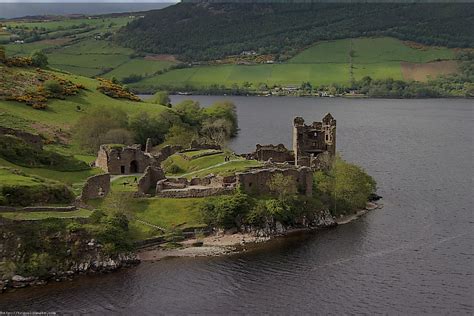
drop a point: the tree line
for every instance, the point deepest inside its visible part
(180, 125)
(209, 31)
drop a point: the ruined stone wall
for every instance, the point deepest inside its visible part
(123, 160)
(195, 145)
(277, 153)
(148, 181)
(312, 140)
(166, 152)
(35, 141)
(96, 187)
(191, 192)
(257, 181)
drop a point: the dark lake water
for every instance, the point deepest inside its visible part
(414, 256)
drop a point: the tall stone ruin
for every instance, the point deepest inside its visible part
(311, 142)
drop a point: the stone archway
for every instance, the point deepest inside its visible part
(133, 166)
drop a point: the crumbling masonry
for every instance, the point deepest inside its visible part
(310, 141)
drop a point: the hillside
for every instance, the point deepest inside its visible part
(79, 45)
(325, 63)
(204, 30)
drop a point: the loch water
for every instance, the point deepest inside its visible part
(413, 256)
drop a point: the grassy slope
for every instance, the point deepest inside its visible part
(63, 113)
(84, 55)
(138, 66)
(203, 166)
(323, 63)
(31, 216)
(174, 213)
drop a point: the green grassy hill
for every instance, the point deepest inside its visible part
(324, 63)
(81, 46)
(210, 30)
(55, 123)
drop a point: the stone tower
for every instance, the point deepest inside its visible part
(311, 141)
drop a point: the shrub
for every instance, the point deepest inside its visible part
(174, 169)
(39, 59)
(115, 90)
(344, 188)
(53, 87)
(226, 211)
(161, 97)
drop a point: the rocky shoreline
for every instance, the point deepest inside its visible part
(90, 265)
(231, 242)
(218, 244)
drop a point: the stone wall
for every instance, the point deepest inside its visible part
(38, 209)
(148, 181)
(194, 192)
(166, 152)
(123, 159)
(277, 153)
(35, 141)
(256, 181)
(314, 139)
(96, 187)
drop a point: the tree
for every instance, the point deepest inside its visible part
(190, 112)
(91, 128)
(216, 132)
(39, 59)
(344, 188)
(181, 135)
(118, 136)
(224, 110)
(161, 97)
(144, 126)
(282, 186)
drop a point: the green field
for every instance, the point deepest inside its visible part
(141, 67)
(201, 166)
(64, 113)
(324, 63)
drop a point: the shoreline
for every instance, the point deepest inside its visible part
(146, 96)
(222, 244)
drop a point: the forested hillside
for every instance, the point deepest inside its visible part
(205, 31)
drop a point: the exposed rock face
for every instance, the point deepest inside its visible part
(148, 181)
(272, 227)
(73, 253)
(96, 187)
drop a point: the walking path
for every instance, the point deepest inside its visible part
(151, 225)
(208, 168)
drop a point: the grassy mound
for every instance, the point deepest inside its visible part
(17, 151)
(18, 188)
(201, 163)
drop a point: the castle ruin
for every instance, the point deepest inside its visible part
(311, 141)
(121, 159)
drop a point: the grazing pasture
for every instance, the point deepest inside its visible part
(324, 63)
